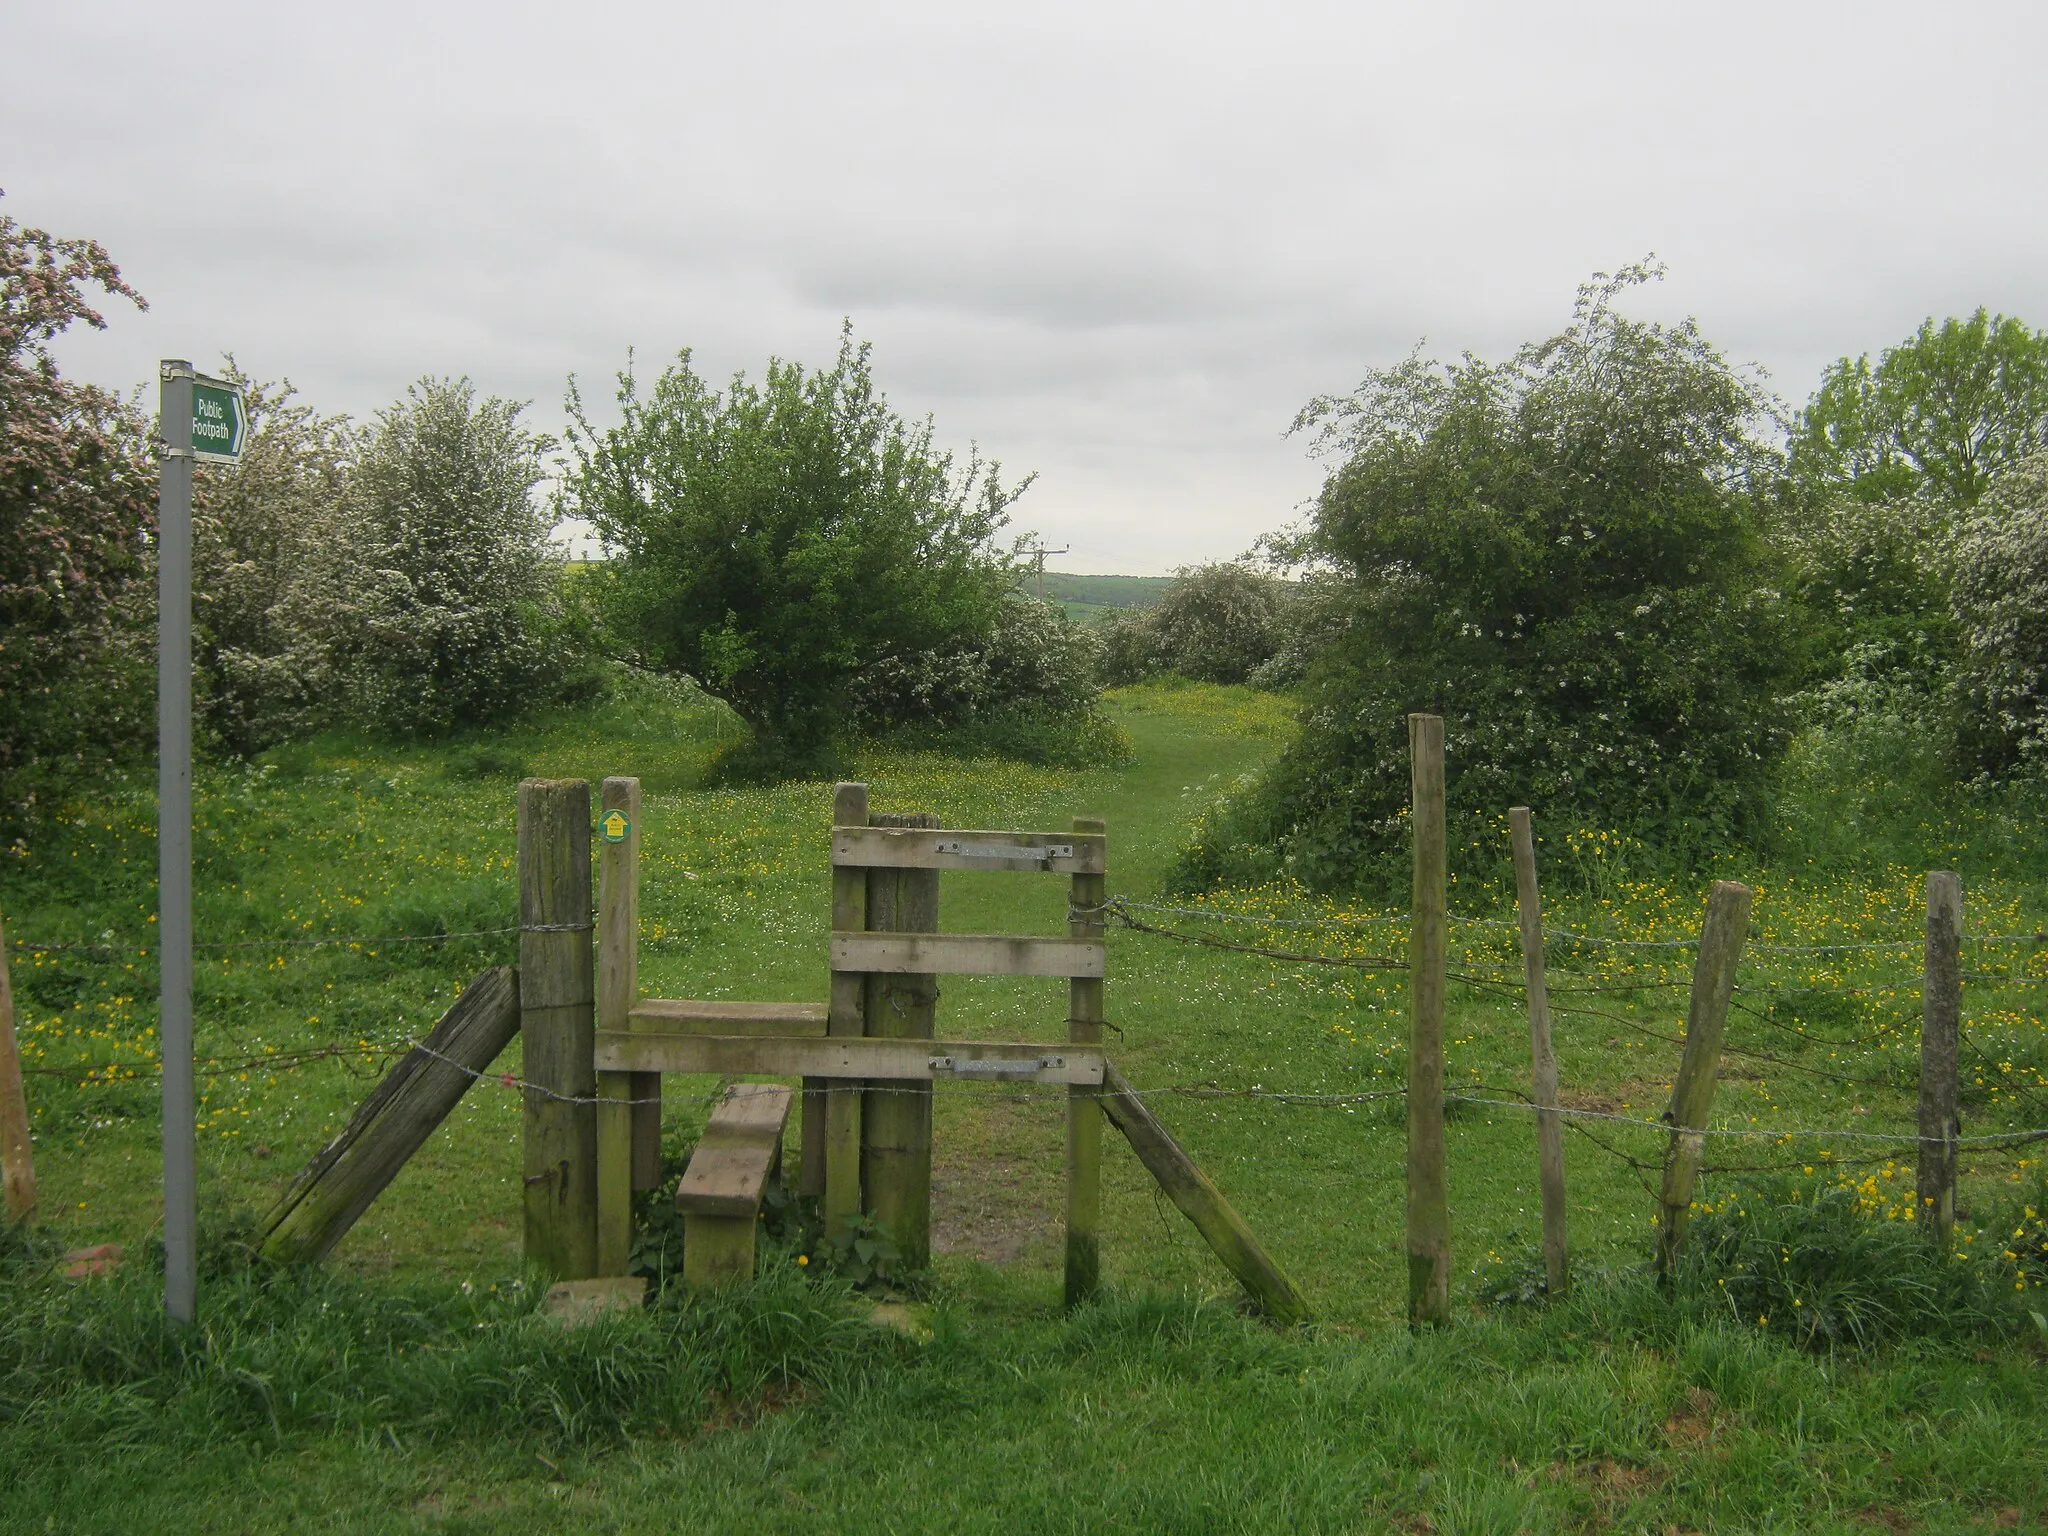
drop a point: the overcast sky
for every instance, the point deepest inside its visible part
(1119, 244)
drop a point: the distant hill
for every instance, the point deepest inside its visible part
(1088, 597)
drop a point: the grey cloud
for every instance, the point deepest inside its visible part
(1119, 242)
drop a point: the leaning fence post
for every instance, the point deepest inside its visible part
(1085, 1015)
(896, 1117)
(557, 1001)
(1692, 1094)
(629, 1119)
(836, 1171)
(16, 1148)
(1940, 1036)
(1429, 1216)
(1542, 1058)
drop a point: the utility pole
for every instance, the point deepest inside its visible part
(1040, 552)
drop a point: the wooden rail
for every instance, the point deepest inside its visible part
(1066, 853)
(966, 954)
(849, 1056)
(720, 1017)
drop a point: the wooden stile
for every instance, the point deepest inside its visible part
(834, 1173)
(1428, 1206)
(629, 1119)
(17, 1154)
(393, 1123)
(1542, 1057)
(557, 996)
(1085, 1017)
(964, 954)
(1941, 1024)
(901, 1003)
(1201, 1202)
(1692, 1094)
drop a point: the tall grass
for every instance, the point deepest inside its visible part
(282, 1354)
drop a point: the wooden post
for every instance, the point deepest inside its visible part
(834, 1168)
(1084, 1104)
(896, 1117)
(628, 1124)
(393, 1123)
(557, 1006)
(17, 1154)
(1429, 1214)
(1201, 1202)
(1542, 1059)
(1941, 1022)
(1699, 1067)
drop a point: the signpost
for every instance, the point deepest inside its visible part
(207, 420)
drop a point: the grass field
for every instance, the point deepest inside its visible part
(410, 1390)
(1093, 597)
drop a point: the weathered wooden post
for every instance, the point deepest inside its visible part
(629, 1119)
(1084, 1103)
(1429, 1216)
(1692, 1094)
(1941, 1022)
(337, 1186)
(1542, 1058)
(17, 1155)
(557, 1005)
(896, 1118)
(836, 1172)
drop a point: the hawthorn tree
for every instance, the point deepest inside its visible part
(1563, 555)
(77, 512)
(451, 588)
(772, 540)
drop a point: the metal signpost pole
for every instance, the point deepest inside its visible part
(174, 839)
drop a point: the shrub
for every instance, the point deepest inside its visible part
(451, 581)
(2001, 597)
(269, 583)
(1219, 623)
(774, 541)
(1562, 555)
(77, 510)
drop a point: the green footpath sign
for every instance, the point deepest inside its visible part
(220, 421)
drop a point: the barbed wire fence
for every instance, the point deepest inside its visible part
(1579, 973)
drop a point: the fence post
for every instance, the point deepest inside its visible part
(17, 1154)
(1429, 1216)
(896, 1118)
(1941, 1022)
(1084, 1104)
(1542, 1058)
(557, 1003)
(837, 1171)
(1692, 1095)
(629, 1121)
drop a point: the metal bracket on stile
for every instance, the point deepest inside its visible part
(996, 1068)
(1009, 851)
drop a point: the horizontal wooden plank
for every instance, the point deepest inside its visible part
(1066, 853)
(844, 1057)
(721, 1017)
(725, 1180)
(966, 954)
